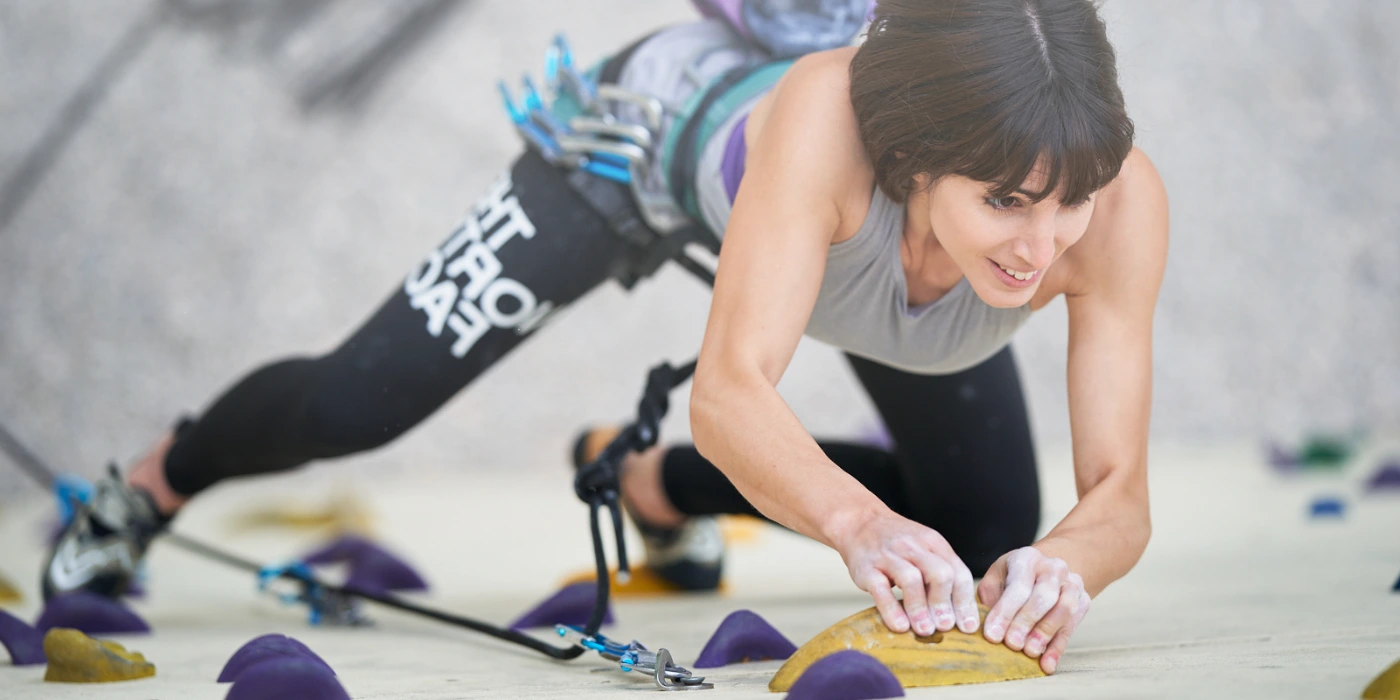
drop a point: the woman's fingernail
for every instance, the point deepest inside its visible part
(1015, 638)
(994, 632)
(1051, 662)
(946, 619)
(969, 625)
(1035, 645)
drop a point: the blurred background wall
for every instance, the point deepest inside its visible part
(192, 187)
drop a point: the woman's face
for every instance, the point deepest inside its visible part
(1003, 245)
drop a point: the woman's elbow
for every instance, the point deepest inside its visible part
(705, 408)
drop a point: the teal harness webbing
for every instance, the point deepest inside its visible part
(702, 116)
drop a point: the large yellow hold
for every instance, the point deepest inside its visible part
(76, 658)
(344, 513)
(1386, 686)
(943, 658)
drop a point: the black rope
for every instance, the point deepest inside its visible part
(598, 482)
(385, 599)
(26, 460)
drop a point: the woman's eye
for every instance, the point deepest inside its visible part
(1001, 203)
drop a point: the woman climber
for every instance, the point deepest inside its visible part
(911, 201)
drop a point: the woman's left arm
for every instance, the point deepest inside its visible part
(1040, 593)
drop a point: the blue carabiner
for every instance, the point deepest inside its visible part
(551, 68)
(564, 63)
(566, 54)
(532, 96)
(295, 569)
(536, 110)
(301, 572)
(70, 491)
(516, 115)
(628, 661)
(531, 132)
(610, 159)
(604, 170)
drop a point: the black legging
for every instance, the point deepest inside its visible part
(963, 463)
(530, 246)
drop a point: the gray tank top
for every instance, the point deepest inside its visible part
(862, 307)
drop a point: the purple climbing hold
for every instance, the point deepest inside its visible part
(742, 637)
(289, 678)
(90, 614)
(345, 548)
(25, 644)
(1386, 478)
(1282, 459)
(372, 569)
(572, 605)
(379, 572)
(846, 675)
(260, 649)
(1327, 507)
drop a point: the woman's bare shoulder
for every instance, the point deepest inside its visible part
(818, 87)
(810, 110)
(1126, 242)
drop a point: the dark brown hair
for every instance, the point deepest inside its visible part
(986, 89)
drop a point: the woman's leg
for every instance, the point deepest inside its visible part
(963, 464)
(685, 483)
(964, 451)
(529, 247)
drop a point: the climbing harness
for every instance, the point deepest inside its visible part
(575, 127)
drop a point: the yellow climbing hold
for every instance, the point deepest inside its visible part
(944, 658)
(741, 529)
(644, 582)
(344, 512)
(8, 593)
(1386, 686)
(77, 658)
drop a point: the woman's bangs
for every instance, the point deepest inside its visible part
(1074, 153)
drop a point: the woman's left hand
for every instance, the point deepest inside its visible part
(1036, 604)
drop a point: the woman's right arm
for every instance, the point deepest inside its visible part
(802, 166)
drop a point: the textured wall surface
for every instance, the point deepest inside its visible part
(192, 191)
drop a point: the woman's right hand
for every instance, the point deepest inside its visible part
(889, 550)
